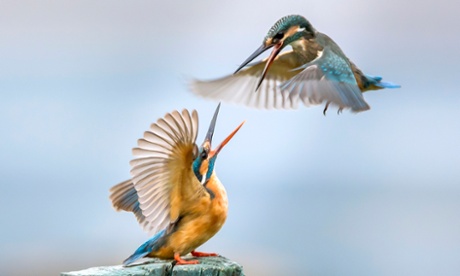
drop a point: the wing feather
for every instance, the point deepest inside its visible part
(156, 139)
(328, 78)
(162, 159)
(241, 87)
(124, 197)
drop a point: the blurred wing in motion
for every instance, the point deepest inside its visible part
(328, 78)
(241, 87)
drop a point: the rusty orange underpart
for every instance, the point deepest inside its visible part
(180, 261)
(202, 254)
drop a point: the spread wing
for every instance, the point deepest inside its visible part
(241, 87)
(328, 78)
(163, 166)
(124, 197)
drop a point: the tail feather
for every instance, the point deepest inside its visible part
(377, 81)
(386, 84)
(136, 256)
(149, 246)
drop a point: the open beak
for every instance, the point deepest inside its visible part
(208, 140)
(211, 132)
(271, 58)
(257, 53)
(226, 140)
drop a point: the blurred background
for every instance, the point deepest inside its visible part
(374, 193)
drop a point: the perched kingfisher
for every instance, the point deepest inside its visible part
(174, 191)
(314, 71)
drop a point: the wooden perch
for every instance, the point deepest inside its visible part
(209, 266)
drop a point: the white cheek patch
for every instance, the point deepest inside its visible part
(299, 30)
(319, 54)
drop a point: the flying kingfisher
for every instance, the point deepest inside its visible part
(314, 71)
(174, 191)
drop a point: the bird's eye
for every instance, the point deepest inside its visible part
(204, 155)
(278, 36)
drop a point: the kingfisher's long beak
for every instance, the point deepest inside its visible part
(212, 125)
(271, 58)
(211, 132)
(226, 140)
(208, 140)
(259, 51)
(276, 50)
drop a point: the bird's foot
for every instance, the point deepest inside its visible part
(325, 108)
(339, 111)
(180, 261)
(202, 254)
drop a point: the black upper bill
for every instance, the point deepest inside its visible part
(212, 125)
(257, 52)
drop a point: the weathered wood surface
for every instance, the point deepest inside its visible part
(209, 266)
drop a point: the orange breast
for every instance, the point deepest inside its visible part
(199, 222)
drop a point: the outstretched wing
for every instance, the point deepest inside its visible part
(328, 78)
(241, 87)
(124, 197)
(162, 165)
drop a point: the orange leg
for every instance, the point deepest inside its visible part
(201, 254)
(180, 261)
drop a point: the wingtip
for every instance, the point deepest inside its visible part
(360, 108)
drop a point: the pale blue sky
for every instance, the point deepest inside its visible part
(375, 193)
